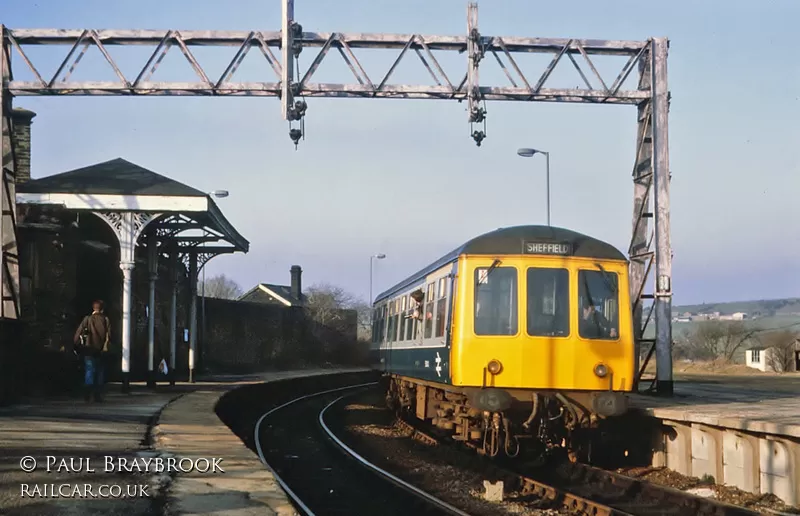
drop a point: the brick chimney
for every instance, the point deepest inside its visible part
(296, 287)
(21, 119)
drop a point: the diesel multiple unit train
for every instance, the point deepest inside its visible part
(523, 333)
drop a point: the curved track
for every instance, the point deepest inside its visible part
(321, 474)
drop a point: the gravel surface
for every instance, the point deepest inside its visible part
(371, 431)
(756, 502)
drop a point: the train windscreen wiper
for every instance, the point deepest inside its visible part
(492, 267)
(610, 284)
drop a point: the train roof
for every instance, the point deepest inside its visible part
(504, 241)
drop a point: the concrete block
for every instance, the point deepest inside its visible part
(777, 465)
(707, 452)
(678, 446)
(740, 465)
(494, 491)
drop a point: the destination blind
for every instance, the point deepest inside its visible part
(554, 248)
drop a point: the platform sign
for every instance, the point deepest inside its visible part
(551, 248)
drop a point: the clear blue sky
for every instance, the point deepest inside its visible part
(405, 179)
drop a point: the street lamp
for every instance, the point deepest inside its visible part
(529, 153)
(373, 257)
(219, 194)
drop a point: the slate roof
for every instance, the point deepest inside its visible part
(115, 177)
(283, 291)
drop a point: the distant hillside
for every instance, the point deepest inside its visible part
(764, 307)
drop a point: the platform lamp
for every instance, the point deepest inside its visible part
(219, 194)
(529, 153)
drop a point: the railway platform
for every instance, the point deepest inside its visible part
(745, 435)
(135, 429)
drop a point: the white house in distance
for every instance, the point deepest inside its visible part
(774, 359)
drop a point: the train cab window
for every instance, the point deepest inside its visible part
(598, 297)
(441, 307)
(496, 301)
(548, 302)
(428, 312)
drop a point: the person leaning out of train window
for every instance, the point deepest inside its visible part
(595, 326)
(419, 298)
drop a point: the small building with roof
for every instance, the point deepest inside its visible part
(284, 295)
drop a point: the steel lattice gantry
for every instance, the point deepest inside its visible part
(650, 242)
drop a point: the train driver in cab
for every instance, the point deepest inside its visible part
(594, 325)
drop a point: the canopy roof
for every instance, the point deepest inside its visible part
(120, 186)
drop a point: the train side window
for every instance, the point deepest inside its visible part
(381, 321)
(402, 319)
(441, 308)
(495, 310)
(374, 318)
(428, 314)
(392, 334)
(548, 302)
(598, 298)
(398, 315)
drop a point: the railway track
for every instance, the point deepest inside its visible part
(528, 486)
(589, 490)
(321, 474)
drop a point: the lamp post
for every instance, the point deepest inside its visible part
(373, 257)
(529, 153)
(219, 194)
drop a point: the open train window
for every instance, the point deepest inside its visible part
(548, 302)
(598, 297)
(496, 301)
(402, 320)
(391, 335)
(428, 315)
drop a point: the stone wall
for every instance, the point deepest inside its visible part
(248, 337)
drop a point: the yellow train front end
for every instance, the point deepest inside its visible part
(540, 343)
(559, 323)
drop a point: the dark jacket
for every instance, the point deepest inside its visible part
(97, 329)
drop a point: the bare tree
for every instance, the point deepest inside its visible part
(327, 302)
(220, 287)
(781, 346)
(719, 340)
(337, 313)
(364, 312)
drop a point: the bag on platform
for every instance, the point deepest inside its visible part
(162, 367)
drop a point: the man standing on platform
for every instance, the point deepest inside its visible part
(92, 339)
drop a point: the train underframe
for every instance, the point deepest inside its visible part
(590, 427)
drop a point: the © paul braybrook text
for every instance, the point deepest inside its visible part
(110, 464)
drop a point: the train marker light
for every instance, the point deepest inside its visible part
(601, 370)
(494, 367)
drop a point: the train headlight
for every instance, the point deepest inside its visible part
(494, 366)
(601, 370)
